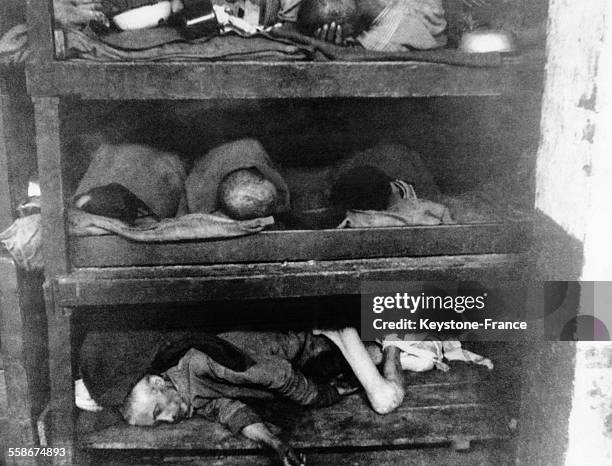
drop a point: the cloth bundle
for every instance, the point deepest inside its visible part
(406, 212)
(23, 240)
(424, 355)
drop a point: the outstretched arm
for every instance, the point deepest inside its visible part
(260, 433)
(241, 419)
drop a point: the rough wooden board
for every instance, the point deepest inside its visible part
(431, 413)
(486, 453)
(3, 399)
(271, 80)
(51, 169)
(300, 245)
(407, 426)
(99, 287)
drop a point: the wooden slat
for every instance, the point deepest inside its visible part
(499, 453)
(3, 398)
(420, 426)
(490, 453)
(40, 34)
(272, 80)
(299, 245)
(431, 414)
(99, 287)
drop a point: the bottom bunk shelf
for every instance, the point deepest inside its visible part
(449, 409)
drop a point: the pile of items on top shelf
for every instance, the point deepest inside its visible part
(350, 30)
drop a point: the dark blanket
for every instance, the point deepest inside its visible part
(111, 363)
(279, 44)
(357, 53)
(166, 44)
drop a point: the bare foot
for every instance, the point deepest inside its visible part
(384, 393)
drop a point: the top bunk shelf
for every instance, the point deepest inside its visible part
(244, 80)
(448, 72)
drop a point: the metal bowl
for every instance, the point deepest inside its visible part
(487, 40)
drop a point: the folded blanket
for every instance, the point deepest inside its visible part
(406, 212)
(276, 44)
(187, 227)
(166, 44)
(23, 239)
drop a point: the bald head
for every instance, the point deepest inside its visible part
(245, 194)
(315, 13)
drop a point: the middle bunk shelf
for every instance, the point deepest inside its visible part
(461, 153)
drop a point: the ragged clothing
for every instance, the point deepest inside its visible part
(406, 212)
(215, 391)
(412, 24)
(23, 240)
(155, 177)
(201, 186)
(424, 355)
(212, 373)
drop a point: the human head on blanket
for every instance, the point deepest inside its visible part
(382, 25)
(130, 181)
(365, 195)
(153, 377)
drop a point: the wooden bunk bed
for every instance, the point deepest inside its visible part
(95, 272)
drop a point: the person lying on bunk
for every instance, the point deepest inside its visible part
(366, 196)
(237, 180)
(382, 25)
(154, 379)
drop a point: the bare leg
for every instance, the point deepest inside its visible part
(384, 393)
(260, 433)
(392, 369)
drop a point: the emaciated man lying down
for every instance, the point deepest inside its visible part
(152, 377)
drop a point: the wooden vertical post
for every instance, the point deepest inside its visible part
(54, 196)
(63, 410)
(24, 350)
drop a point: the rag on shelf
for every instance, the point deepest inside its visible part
(424, 355)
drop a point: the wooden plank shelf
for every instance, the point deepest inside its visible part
(463, 410)
(303, 245)
(183, 284)
(260, 80)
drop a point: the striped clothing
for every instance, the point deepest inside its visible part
(412, 24)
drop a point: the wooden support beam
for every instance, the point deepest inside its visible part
(51, 169)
